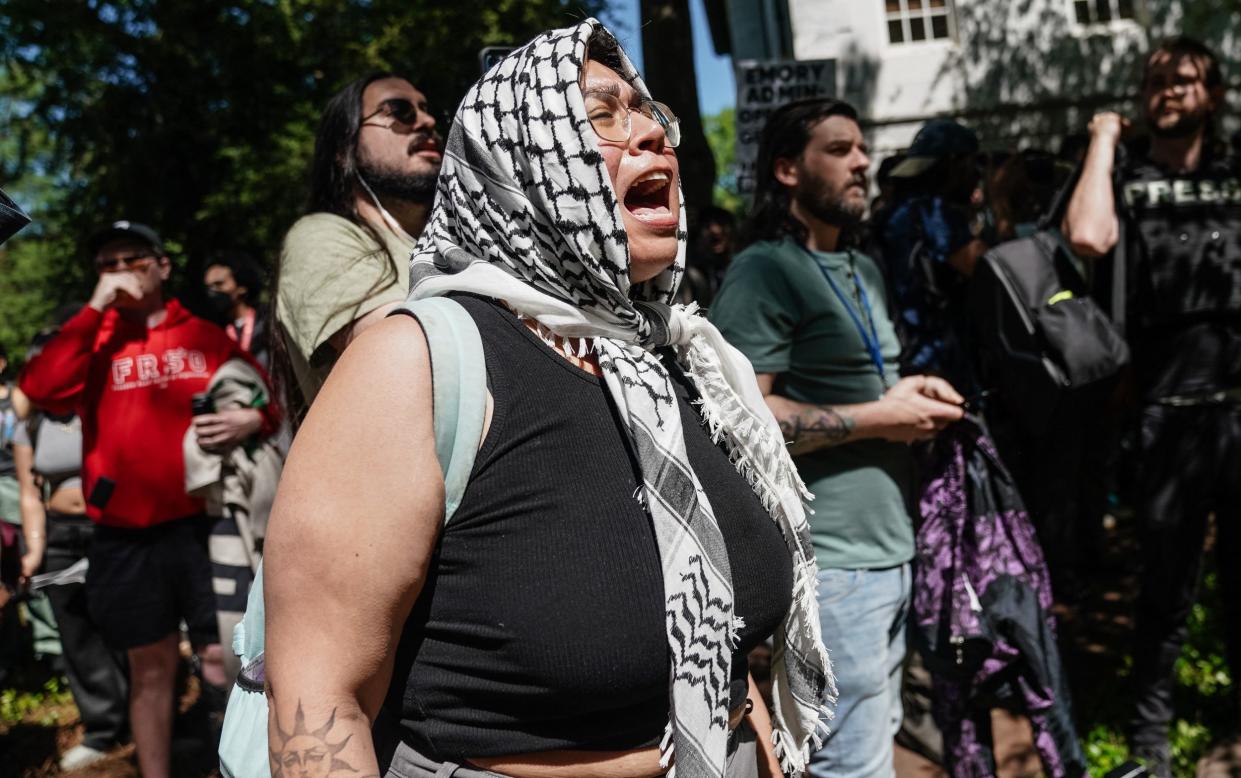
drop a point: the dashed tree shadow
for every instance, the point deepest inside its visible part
(1025, 73)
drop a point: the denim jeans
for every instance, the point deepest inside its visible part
(863, 615)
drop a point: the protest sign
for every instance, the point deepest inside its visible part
(762, 87)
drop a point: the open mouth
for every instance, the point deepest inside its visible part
(649, 198)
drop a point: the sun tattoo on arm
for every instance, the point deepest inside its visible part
(307, 753)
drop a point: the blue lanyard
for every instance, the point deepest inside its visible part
(870, 338)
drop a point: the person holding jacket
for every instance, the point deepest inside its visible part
(129, 364)
(808, 311)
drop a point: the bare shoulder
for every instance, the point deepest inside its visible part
(368, 435)
(386, 363)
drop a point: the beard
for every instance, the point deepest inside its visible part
(1186, 124)
(830, 205)
(397, 184)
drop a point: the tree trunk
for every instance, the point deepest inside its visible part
(668, 54)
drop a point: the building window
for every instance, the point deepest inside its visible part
(910, 21)
(1102, 11)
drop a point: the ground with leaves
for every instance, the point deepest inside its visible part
(1096, 639)
(39, 723)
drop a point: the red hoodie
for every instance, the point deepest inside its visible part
(132, 388)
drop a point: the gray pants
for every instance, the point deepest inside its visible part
(408, 763)
(98, 675)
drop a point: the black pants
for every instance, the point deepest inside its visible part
(97, 675)
(1190, 468)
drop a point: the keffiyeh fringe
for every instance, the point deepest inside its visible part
(759, 453)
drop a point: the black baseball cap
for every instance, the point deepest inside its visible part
(121, 230)
(937, 139)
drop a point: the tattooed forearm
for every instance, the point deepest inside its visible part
(309, 753)
(817, 426)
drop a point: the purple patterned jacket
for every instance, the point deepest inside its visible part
(982, 609)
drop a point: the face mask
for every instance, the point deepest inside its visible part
(219, 302)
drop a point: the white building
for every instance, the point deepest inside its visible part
(1021, 72)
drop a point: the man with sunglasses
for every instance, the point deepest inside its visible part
(345, 264)
(130, 364)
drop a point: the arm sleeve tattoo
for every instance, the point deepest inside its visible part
(817, 426)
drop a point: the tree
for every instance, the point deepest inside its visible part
(670, 77)
(721, 131)
(199, 117)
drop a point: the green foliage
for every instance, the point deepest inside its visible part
(721, 130)
(1105, 749)
(1189, 741)
(1203, 697)
(36, 275)
(1201, 666)
(42, 706)
(199, 118)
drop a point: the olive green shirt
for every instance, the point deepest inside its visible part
(333, 272)
(776, 306)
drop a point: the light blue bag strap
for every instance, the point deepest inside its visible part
(458, 389)
(459, 394)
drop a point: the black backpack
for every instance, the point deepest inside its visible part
(1039, 335)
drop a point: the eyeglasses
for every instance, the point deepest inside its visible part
(133, 262)
(398, 108)
(612, 119)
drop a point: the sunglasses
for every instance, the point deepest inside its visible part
(132, 262)
(398, 108)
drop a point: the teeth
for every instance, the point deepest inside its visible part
(649, 183)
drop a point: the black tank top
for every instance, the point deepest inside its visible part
(540, 626)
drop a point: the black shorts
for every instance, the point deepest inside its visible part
(142, 582)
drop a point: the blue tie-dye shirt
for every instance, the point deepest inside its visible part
(931, 339)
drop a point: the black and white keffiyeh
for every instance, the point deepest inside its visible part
(525, 213)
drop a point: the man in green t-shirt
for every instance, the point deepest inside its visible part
(810, 314)
(345, 264)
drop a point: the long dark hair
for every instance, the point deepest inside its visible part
(1208, 65)
(785, 136)
(334, 171)
(334, 180)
